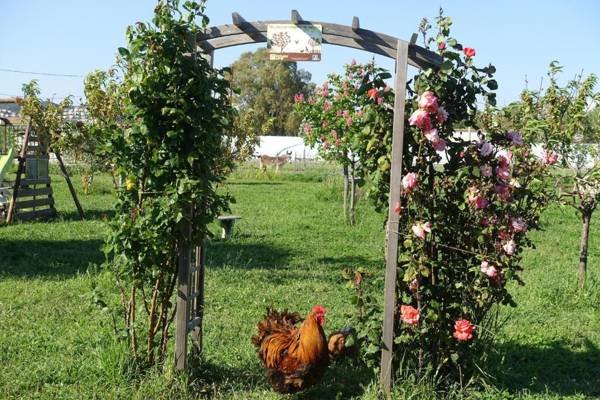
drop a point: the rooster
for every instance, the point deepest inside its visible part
(295, 357)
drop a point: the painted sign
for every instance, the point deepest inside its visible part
(290, 42)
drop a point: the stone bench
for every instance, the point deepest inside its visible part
(227, 222)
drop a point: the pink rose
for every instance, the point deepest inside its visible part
(325, 124)
(307, 128)
(503, 191)
(409, 315)
(442, 115)
(379, 100)
(549, 157)
(409, 181)
(504, 161)
(420, 119)
(476, 200)
(327, 106)
(299, 97)
(489, 270)
(432, 135)
(334, 133)
(485, 148)
(486, 170)
(428, 102)
(421, 229)
(463, 330)
(503, 174)
(439, 145)
(469, 51)
(441, 45)
(349, 121)
(509, 247)
(518, 225)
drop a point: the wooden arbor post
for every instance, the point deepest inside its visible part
(393, 227)
(405, 53)
(190, 282)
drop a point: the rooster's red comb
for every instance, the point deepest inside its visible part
(319, 309)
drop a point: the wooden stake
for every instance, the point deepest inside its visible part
(65, 173)
(389, 308)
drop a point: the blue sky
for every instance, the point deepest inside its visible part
(519, 37)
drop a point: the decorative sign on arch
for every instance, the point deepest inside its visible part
(291, 42)
(190, 303)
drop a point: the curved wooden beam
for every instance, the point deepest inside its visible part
(244, 32)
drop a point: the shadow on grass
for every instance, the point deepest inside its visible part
(48, 257)
(90, 215)
(555, 368)
(341, 381)
(246, 255)
(351, 261)
(252, 183)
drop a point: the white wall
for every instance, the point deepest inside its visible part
(279, 145)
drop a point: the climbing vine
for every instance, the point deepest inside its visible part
(173, 156)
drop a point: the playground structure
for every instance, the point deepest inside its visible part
(30, 195)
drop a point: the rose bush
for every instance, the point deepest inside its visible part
(465, 211)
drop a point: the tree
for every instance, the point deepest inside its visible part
(559, 118)
(265, 89)
(334, 120)
(88, 143)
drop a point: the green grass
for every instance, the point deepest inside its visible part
(288, 251)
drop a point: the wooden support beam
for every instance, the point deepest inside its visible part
(413, 38)
(237, 19)
(296, 18)
(183, 292)
(389, 307)
(65, 173)
(355, 24)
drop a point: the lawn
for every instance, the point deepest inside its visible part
(288, 251)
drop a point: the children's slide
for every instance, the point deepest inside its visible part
(6, 162)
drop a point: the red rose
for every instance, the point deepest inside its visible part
(409, 315)
(463, 330)
(469, 52)
(441, 45)
(372, 93)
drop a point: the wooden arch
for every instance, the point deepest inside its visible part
(191, 277)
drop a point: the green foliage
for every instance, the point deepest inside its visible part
(264, 93)
(172, 152)
(46, 117)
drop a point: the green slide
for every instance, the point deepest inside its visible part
(6, 162)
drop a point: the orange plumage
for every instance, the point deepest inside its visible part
(295, 357)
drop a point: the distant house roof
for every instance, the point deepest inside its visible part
(10, 110)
